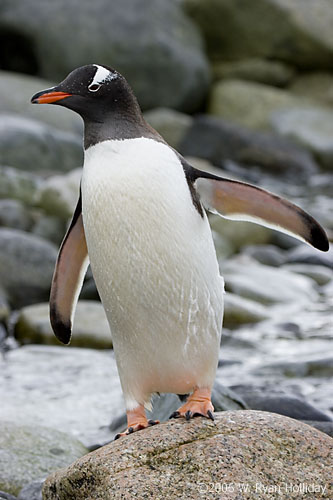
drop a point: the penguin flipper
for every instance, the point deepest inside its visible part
(70, 269)
(241, 201)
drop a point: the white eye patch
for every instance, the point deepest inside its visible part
(102, 75)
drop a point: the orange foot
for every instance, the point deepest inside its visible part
(198, 403)
(136, 420)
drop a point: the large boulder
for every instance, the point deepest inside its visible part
(59, 194)
(28, 452)
(153, 43)
(26, 266)
(295, 31)
(244, 454)
(34, 146)
(20, 185)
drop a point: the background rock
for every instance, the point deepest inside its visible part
(26, 266)
(250, 104)
(217, 140)
(59, 194)
(90, 328)
(20, 185)
(238, 310)
(171, 124)
(181, 459)
(29, 453)
(154, 44)
(310, 127)
(294, 31)
(33, 146)
(16, 90)
(32, 491)
(14, 214)
(316, 85)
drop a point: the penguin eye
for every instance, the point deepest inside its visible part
(94, 87)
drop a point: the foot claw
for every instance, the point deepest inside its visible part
(130, 430)
(188, 415)
(117, 436)
(175, 414)
(210, 415)
(153, 422)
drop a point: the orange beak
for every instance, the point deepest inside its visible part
(49, 97)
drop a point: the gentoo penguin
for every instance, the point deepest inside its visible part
(141, 223)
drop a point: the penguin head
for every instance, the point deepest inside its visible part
(93, 91)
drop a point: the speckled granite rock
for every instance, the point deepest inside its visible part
(243, 451)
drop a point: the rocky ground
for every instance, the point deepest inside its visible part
(251, 101)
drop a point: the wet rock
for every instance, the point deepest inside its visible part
(316, 86)
(20, 185)
(181, 459)
(33, 491)
(259, 70)
(297, 32)
(290, 406)
(320, 274)
(310, 127)
(74, 390)
(30, 452)
(59, 194)
(17, 101)
(26, 266)
(269, 255)
(155, 45)
(308, 255)
(238, 311)
(6, 496)
(171, 124)
(246, 277)
(319, 367)
(14, 214)
(34, 146)
(218, 140)
(90, 328)
(250, 104)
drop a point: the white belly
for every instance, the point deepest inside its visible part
(155, 267)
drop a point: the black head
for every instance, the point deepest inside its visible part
(92, 91)
(105, 101)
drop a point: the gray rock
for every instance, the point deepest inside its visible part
(90, 328)
(171, 124)
(294, 31)
(310, 127)
(6, 496)
(14, 214)
(26, 266)
(33, 491)
(290, 406)
(269, 255)
(154, 44)
(240, 234)
(307, 255)
(320, 274)
(30, 452)
(319, 367)
(218, 140)
(316, 86)
(180, 459)
(59, 194)
(238, 311)
(268, 285)
(259, 70)
(4, 306)
(74, 390)
(50, 228)
(17, 101)
(251, 104)
(33, 146)
(20, 185)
